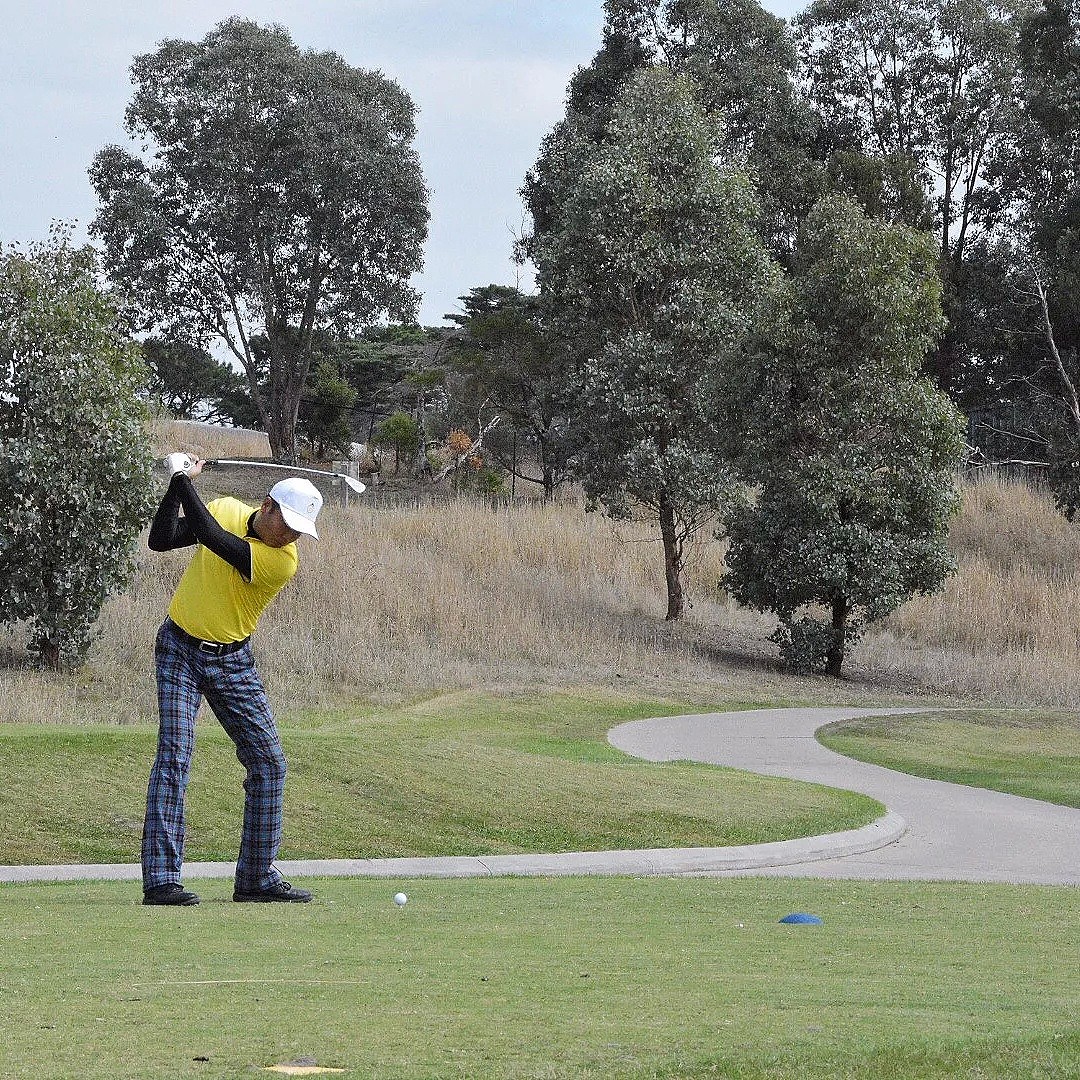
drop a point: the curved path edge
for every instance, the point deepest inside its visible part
(955, 832)
(650, 861)
(932, 830)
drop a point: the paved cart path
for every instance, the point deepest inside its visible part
(932, 830)
(953, 832)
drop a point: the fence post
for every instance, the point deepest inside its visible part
(349, 468)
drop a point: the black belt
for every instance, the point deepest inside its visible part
(214, 648)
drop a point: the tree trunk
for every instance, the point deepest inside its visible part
(834, 657)
(49, 652)
(944, 363)
(290, 359)
(673, 559)
(281, 432)
(546, 447)
(943, 358)
(274, 439)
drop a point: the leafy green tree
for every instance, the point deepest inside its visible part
(236, 407)
(278, 194)
(395, 368)
(852, 451)
(325, 419)
(1034, 317)
(187, 383)
(739, 61)
(402, 433)
(510, 362)
(75, 464)
(654, 273)
(911, 99)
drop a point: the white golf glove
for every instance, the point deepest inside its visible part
(178, 463)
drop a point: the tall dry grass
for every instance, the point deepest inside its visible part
(208, 440)
(1006, 627)
(396, 602)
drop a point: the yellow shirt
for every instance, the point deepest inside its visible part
(213, 601)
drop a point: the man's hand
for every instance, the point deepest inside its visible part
(184, 463)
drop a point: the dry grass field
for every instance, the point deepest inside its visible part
(208, 440)
(1006, 628)
(394, 603)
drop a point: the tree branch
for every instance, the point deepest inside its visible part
(458, 461)
(1073, 401)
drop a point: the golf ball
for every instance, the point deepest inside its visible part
(400, 899)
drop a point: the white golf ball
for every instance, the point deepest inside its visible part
(400, 899)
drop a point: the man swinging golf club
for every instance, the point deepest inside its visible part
(244, 556)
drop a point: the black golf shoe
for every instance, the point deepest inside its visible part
(172, 893)
(281, 893)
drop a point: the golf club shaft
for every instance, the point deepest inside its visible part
(353, 483)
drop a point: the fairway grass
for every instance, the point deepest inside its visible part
(545, 978)
(1031, 753)
(466, 773)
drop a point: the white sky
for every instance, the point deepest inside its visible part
(488, 77)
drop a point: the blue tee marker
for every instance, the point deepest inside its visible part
(802, 918)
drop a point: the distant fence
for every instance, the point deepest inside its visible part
(349, 468)
(1002, 438)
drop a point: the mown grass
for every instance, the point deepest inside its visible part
(500, 978)
(523, 978)
(1035, 754)
(458, 774)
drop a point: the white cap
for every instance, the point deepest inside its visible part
(300, 503)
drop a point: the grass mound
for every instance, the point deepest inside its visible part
(462, 774)
(1034, 754)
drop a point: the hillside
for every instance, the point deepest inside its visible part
(396, 602)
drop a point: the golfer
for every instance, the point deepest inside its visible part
(243, 557)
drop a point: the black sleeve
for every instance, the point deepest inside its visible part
(168, 530)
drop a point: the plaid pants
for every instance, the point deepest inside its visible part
(231, 685)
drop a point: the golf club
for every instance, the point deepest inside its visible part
(354, 485)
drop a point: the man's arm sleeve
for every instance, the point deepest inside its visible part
(199, 524)
(168, 530)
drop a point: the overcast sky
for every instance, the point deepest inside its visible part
(489, 80)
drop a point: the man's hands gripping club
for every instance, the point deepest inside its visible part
(183, 463)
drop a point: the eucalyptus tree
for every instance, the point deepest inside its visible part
(739, 61)
(653, 273)
(275, 191)
(510, 362)
(742, 62)
(75, 480)
(851, 450)
(1035, 314)
(911, 98)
